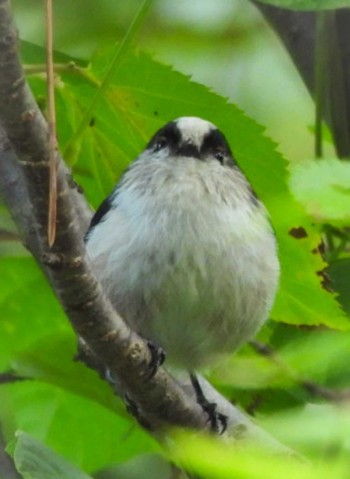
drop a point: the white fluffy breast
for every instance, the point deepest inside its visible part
(187, 258)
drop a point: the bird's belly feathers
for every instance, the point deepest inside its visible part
(198, 280)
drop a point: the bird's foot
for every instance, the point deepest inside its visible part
(157, 358)
(218, 421)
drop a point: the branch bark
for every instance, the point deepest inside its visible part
(24, 183)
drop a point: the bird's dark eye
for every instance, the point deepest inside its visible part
(220, 156)
(160, 144)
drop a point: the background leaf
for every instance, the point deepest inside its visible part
(29, 309)
(323, 188)
(63, 398)
(209, 457)
(127, 117)
(87, 434)
(339, 271)
(36, 461)
(308, 4)
(50, 359)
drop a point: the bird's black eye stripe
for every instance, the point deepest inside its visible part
(168, 136)
(215, 144)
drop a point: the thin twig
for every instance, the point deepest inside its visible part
(321, 53)
(6, 235)
(69, 67)
(52, 213)
(9, 377)
(316, 390)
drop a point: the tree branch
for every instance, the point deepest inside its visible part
(24, 173)
(316, 390)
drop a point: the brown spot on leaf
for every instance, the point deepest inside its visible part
(298, 233)
(256, 402)
(320, 249)
(326, 281)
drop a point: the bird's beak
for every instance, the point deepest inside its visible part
(188, 149)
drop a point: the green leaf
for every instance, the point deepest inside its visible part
(36, 461)
(37, 340)
(300, 427)
(214, 459)
(302, 358)
(34, 54)
(136, 112)
(29, 308)
(155, 465)
(308, 4)
(339, 272)
(81, 430)
(50, 359)
(323, 188)
(142, 96)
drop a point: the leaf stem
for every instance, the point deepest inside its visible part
(70, 67)
(320, 78)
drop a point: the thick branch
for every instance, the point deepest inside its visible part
(15, 193)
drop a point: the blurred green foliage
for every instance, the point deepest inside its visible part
(224, 44)
(292, 385)
(308, 4)
(328, 199)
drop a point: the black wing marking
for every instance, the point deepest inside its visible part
(108, 203)
(100, 213)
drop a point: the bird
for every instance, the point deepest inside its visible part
(183, 247)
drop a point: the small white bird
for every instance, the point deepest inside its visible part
(184, 249)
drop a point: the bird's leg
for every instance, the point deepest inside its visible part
(218, 421)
